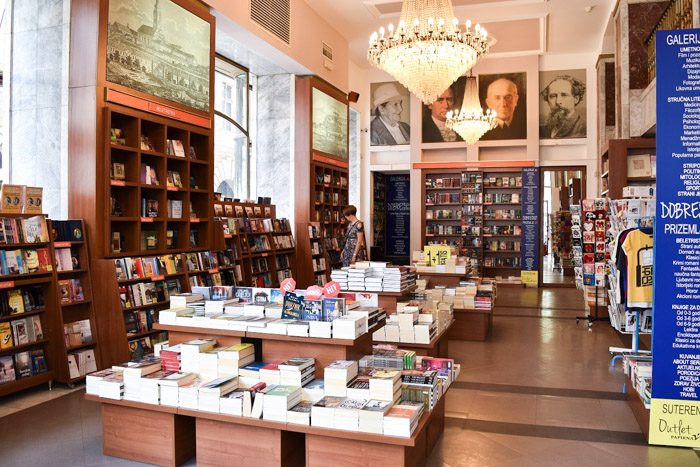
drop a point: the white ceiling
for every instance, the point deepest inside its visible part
(519, 27)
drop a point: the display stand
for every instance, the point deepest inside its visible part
(438, 346)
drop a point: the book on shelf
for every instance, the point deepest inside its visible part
(12, 201)
(33, 202)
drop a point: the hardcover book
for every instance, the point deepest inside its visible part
(11, 198)
(293, 306)
(33, 200)
(7, 369)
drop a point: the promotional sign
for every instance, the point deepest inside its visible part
(530, 241)
(436, 255)
(331, 289)
(398, 215)
(313, 293)
(675, 408)
(288, 285)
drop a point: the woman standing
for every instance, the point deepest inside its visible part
(354, 249)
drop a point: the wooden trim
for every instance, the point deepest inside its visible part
(163, 110)
(470, 164)
(318, 157)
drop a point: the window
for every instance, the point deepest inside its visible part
(232, 147)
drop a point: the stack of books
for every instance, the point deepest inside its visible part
(397, 278)
(402, 419)
(212, 391)
(297, 371)
(313, 391)
(346, 416)
(358, 388)
(133, 371)
(357, 275)
(92, 381)
(421, 386)
(270, 373)
(170, 358)
(170, 387)
(149, 388)
(385, 385)
(374, 316)
(249, 375)
(188, 394)
(337, 375)
(371, 418)
(300, 414)
(323, 411)
(189, 353)
(341, 277)
(278, 400)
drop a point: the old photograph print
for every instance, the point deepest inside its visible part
(160, 48)
(391, 114)
(563, 104)
(330, 125)
(506, 94)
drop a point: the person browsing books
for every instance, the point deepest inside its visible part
(354, 249)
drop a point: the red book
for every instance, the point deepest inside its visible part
(44, 259)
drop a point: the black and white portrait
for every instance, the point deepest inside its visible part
(147, 51)
(505, 93)
(563, 104)
(435, 114)
(391, 116)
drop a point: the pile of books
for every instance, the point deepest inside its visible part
(402, 419)
(337, 375)
(279, 399)
(374, 276)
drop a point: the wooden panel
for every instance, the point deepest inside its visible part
(471, 325)
(445, 279)
(436, 426)
(111, 332)
(222, 443)
(323, 451)
(161, 438)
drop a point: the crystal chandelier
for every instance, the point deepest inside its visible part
(427, 52)
(471, 121)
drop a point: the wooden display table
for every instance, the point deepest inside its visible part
(387, 300)
(438, 347)
(153, 434)
(167, 436)
(471, 324)
(447, 279)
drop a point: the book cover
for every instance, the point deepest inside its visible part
(23, 365)
(313, 310)
(292, 307)
(38, 330)
(11, 198)
(6, 341)
(77, 290)
(35, 230)
(31, 261)
(178, 148)
(15, 301)
(65, 291)
(33, 200)
(7, 369)
(333, 308)
(45, 263)
(38, 362)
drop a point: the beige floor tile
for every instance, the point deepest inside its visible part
(619, 417)
(570, 412)
(459, 401)
(504, 407)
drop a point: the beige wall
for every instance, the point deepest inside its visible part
(308, 31)
(550, 153)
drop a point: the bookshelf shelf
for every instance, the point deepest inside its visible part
(80, 347)
(24, 383)
(21, 315)
(82, 302)
(141, 335)
(21, 347)
(71, 272)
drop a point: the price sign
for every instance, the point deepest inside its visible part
(313, 293)
(288, 285)
(331, 289)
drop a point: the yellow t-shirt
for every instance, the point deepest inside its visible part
(638, 247)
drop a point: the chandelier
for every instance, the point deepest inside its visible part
(427, 51)
(471, 122)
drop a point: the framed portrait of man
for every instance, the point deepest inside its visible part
(506, 94)
(391, 114)
(563, 104)
(435, 114)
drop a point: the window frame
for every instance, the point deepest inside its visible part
(230, 120)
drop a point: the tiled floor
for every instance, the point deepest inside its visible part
(539, 392)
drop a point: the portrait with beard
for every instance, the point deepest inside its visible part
(563, 104)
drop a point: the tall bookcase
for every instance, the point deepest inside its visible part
(613, 165)
(145, 152)
(74, 310)
(245, 232)
(321, 178)
(42, 287)
(479, 212)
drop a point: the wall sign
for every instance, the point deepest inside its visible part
(398, 215)
(675, 404)
(530, 243)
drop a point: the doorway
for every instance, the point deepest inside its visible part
(561, 187)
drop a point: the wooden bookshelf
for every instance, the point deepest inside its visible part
(137, 204)
(41, 286)
(317, 261)
(442, 216)
(321, 179)
(75, 310)
(613, 165)
(243, 225)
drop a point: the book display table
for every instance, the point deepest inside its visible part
(278, 347)
(447, 279)
(471, 324)
(170, 436)
(388, 300)
(438, 347)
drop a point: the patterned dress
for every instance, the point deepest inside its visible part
(352, 233)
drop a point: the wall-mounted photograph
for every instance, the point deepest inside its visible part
(435, 114)
(391, 114)
(506, 94)
(563, 104)
(329, 118)
(147, 52)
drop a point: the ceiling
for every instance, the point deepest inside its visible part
(518, 27)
